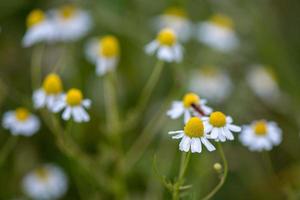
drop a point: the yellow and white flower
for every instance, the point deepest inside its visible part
(74, 106)
(261, 135)
(218, 33)
(70, 23)
(46, 182)
(214, 84)
(50, 93)
(165, 46)
(219, 127)
(263, 83)
(191, 105)
(104, 53)
(193, 136)
(176, 19)
(40, 28)
(21, 122)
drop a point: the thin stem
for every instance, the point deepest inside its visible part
(7, 148)
(222, 178)
(36, 68)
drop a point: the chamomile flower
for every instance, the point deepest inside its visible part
(71, 23)
(104, 53)
(192, 137)
(191, 105)
(176, 19)
(39, 28)
(50, 93)
(46, 182)
(220, 126)
(21, 122)
(261, 135)
(214, 84)
(218, 33)
(165, 46)
(263, 83)
(74, 106)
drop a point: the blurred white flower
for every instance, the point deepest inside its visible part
(176, 19)
(263, 83)
(213, 84)
(104, 53)
(218, 33)
(219, 126)
(193, 136)
(165, 46)
(70, 23)
(261, 135)
(191, 105)
(40, 28)
(74, 106)
(50, 93)
(45, 183)
(21, 122)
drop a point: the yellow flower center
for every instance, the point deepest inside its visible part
(194, 127)
(74, 97)
(35, 17)
(109, 46)
(52, 84)
(166, 37)
(67, 11)
(217, 119)
(22, 114)
(42, 173)
(189, 99)
(260, 128)
(175, 11)
(222, 20)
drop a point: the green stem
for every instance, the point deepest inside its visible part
(7, 148)
(185, 159)
(36, 68)
(223, 177)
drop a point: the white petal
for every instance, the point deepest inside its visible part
(178, 136)
(185, 144)
(187, 116)
(207, 144)
(176, 110)
(234, 128)
(196, 145)
(67, 113)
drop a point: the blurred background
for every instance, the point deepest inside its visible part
(268, 33)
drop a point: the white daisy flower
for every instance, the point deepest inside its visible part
(220, 126)
(21, 122)
(40, 29)
(45, 183)
(263, 83)
(74, 106)
(71, 23)
(218, 33)
(176, 19)
(50, 93)
(261, 135)
(104, 53)
(214, 84)
(191, 105)
(166, 46)
(193, 136)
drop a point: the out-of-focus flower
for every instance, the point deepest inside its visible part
(261, 135)
(220, 126)
(214, 84)
(70, 23)
(218, 33)
(46, 182)
(262, 81)
(104, 52)
(73, 105)
(165, 46)
(191, 105)
(21, 122)
(39, 28)
(50, 93)
(176, 19)
(193, 136)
